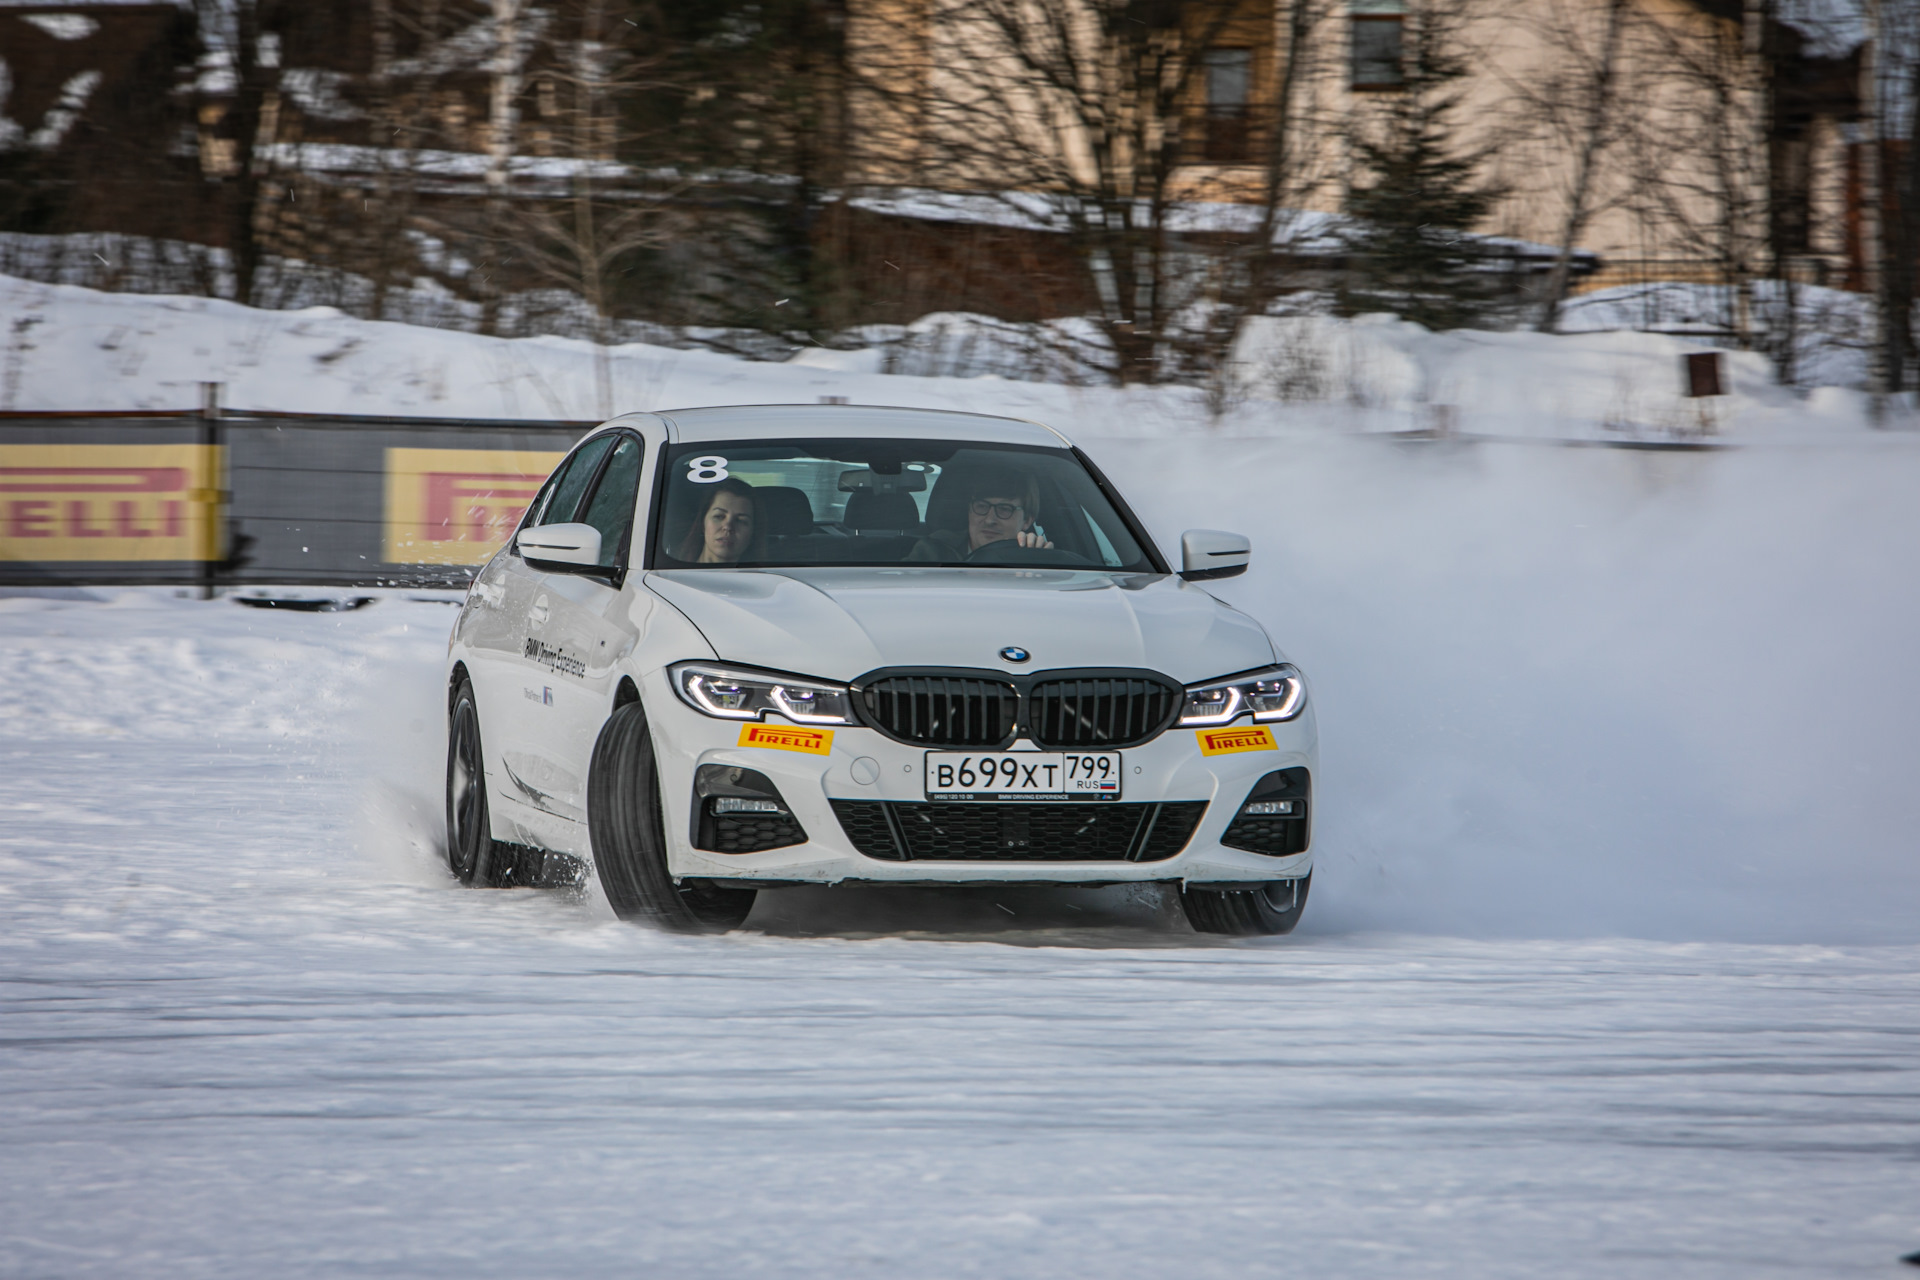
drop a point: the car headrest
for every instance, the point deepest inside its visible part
(784, 509)
(870, 509)
(947, 504)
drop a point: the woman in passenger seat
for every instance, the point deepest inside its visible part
(725, 530)
(1001, 507)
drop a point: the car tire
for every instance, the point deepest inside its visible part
(1270, 910)
(471, 849)
(629, 838)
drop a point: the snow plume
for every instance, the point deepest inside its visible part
(394, 744)
(1587, 691)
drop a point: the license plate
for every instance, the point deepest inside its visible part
(1023, 775)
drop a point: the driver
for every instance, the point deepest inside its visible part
(1001, 506)
(725, 529)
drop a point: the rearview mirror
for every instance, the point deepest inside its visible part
(576, 545)
(1209, 553)
(911, 478)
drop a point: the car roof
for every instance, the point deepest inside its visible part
(843, 421)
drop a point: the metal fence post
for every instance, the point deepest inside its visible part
(214, 503)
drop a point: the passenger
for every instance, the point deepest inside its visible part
(1001, 506)
(724, 530)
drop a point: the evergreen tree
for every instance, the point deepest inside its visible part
(1419, 191)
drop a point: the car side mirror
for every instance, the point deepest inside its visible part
(567, 546)
(1208, 553)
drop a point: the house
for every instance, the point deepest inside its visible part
(1060, 167)
(1714, 144)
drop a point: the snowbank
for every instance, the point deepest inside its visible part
(1832, 329)
(1385, 374)
(70, 348)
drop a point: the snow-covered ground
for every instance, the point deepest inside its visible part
(1611, 967)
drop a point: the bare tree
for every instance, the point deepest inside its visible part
(387, 128)
(1293, 166)
(578, 243)
(503, 118)
(1576, 96)
(1893, 85)
(1700, 163)
(1906, 249)
(1068, 115)
(237, 33)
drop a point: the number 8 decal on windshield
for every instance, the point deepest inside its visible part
(708, 470)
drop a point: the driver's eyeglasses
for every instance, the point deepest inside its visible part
(1000, 510)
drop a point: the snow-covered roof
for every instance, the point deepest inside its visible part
(1047, 211)
(1832, 28)
(1300, 231)
(337, 157)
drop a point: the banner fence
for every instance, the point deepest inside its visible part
(233, 499)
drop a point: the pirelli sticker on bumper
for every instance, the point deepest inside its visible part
(782, 737)
(1246, 737)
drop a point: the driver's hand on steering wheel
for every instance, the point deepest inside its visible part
(1028, 538)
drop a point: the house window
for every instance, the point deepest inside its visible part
(1376, 48)
(1229, 80)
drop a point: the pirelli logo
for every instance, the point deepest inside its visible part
(780, 737)
(457, 506)
(108, 502)
(1220, 742)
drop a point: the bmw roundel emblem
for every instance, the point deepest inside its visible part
(1014, 653)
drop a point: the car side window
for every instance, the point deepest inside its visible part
(541, 500)
(610, 509)
(571, 484)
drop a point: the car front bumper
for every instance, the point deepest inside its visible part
(1170, 768)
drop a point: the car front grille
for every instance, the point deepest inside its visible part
(1101, 713)
(992, 832)
(751, 832)
(941, 711)
(1060, 710)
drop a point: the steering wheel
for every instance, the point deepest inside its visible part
(1008, 551)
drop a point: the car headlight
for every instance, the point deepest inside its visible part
(729, 693)
(1278, 693)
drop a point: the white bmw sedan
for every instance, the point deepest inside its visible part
(741, 649)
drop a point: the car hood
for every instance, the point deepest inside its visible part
(840, 623)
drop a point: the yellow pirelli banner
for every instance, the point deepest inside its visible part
(457, 506)
(64, 502)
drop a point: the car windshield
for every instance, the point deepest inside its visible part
(778, 503)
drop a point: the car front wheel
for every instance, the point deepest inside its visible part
(1272, 908)
(629, 838)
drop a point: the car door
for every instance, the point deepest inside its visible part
(510, 684)
(493, 625)
(579, 629)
